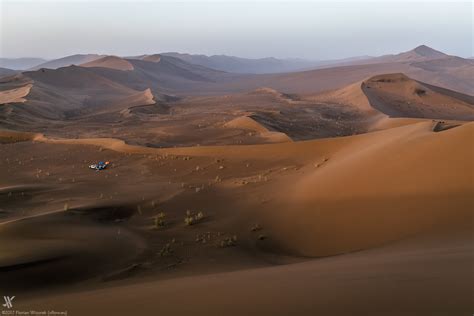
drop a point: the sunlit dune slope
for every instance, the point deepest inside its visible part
(112, 62)
(410, 184)
(16, 95)
(396, 95)
(375, 187)
(399, 96)
(247, 123)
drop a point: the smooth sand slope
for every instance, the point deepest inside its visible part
(399, 96)
(403, 280)
(152, 58)
(248, 124)
(317, 198)
(16, 95)
(112, 62)
(352, 95)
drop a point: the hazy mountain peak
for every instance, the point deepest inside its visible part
(427, 51)
(20, 63)
(75, 59)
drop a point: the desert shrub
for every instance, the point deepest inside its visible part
(193, 218)
(255, 228)
(188, 219)
(203, 238)
(160, 220)
(228, 242)
(166, 250)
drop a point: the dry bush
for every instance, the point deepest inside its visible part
(192, 218)
(160, 220)
(166, 250)
(228, 242)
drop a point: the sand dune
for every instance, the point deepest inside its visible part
(352, 95)
(413, 200)
(65, 92)
(112, 62)
(399, 96)
(142, 98)
(396, 95)
(74, 77)
(61, 254)
(8, 137)
(279, 290)
(16, 95)
(318, 191)
(247, 123)
(67, 61)
(84, 93)
(398, 193)
(152, 58)
(321, 197)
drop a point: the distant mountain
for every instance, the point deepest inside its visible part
(20, 63)
(103, 81)
(418, 54)
(109, 82)
(246, 65)
(162, 74)
(274, 65)
(429, 52)
(4, 72)
(421, 63)
(67, 61)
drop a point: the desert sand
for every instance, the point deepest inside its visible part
(16, 95)
(257, 195)
(112, 62)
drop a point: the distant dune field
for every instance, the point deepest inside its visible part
(346, 189)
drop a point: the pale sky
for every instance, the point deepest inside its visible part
(306, 29)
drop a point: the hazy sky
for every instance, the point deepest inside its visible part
(309, 29)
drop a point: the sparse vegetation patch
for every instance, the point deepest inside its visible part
(159, 220)
(192, 218)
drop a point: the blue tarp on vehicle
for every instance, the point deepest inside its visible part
(100, 165)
